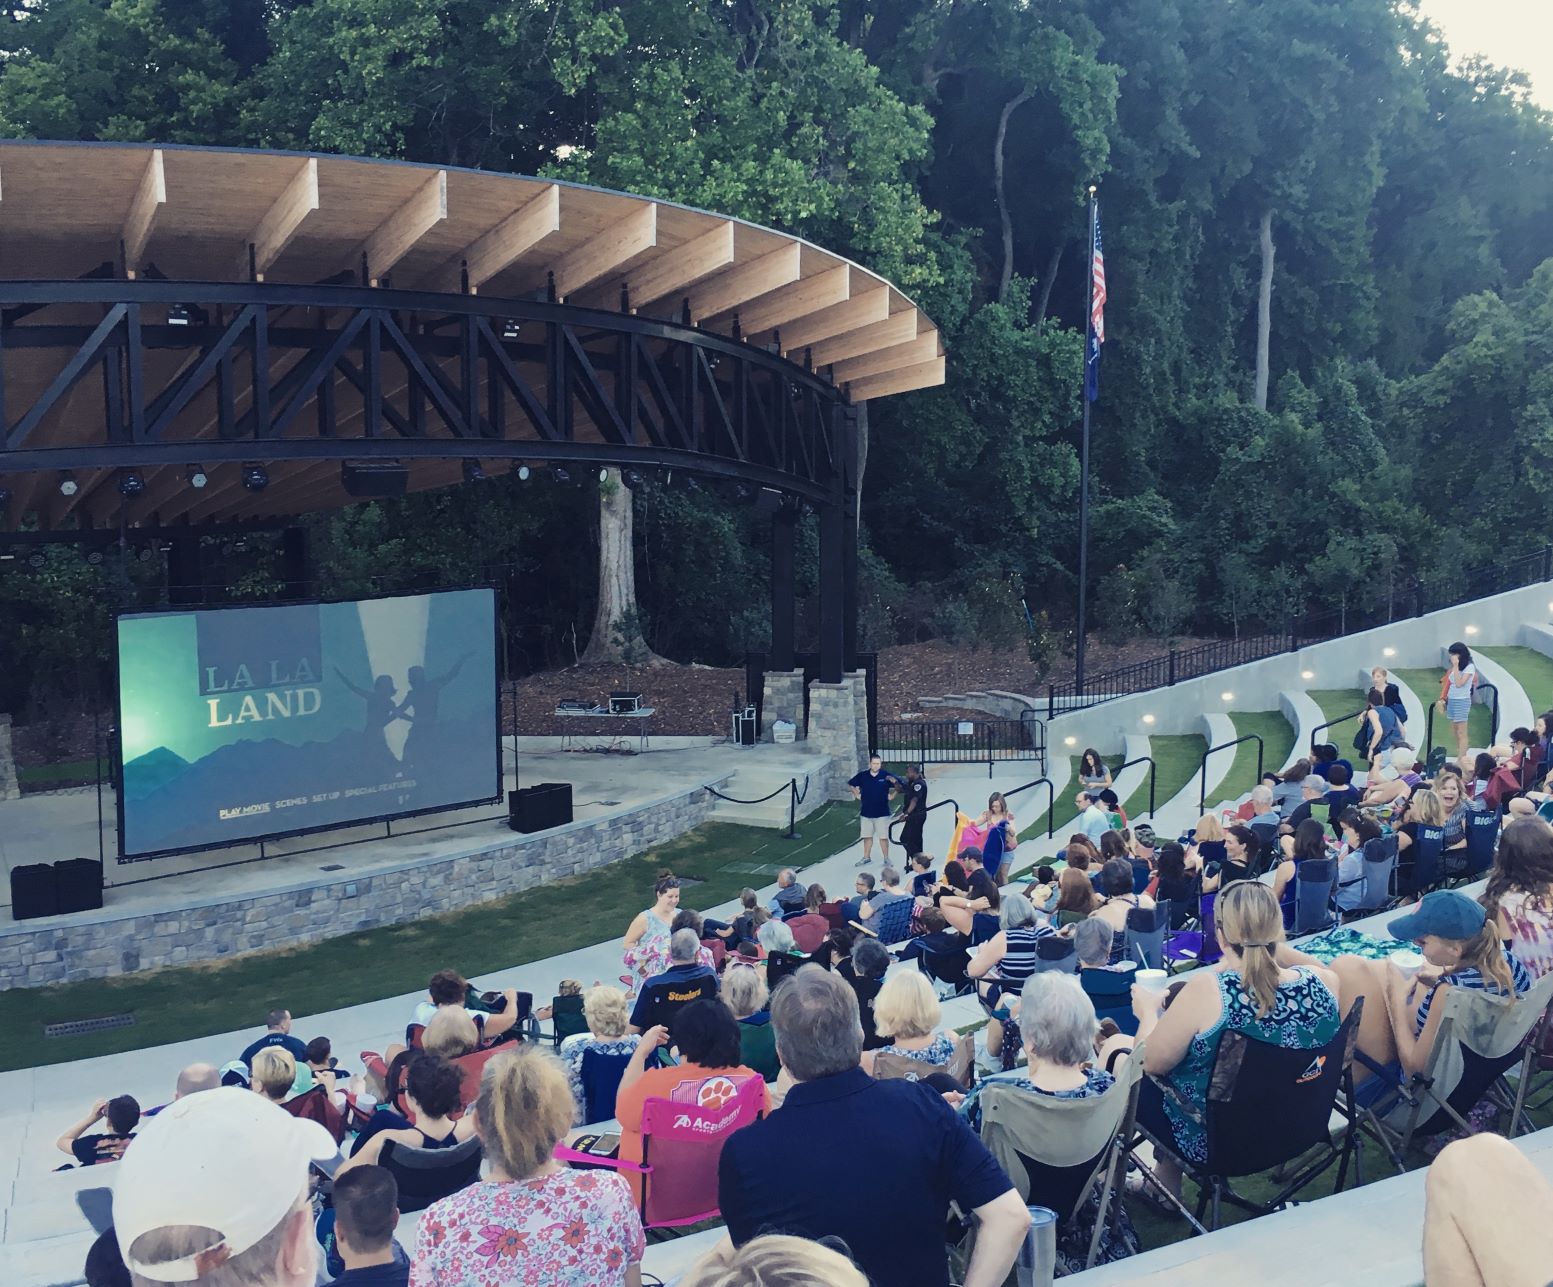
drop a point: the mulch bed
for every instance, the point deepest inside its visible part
(688, 700)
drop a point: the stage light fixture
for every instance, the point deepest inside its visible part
(560, 473)
(94, 557)
(180, 315)
(131, 482)
(68, 485)
(146, 553)
(603, 476)
(511, 328)
(256, 477)
(37, 559)
(633, 479)
(473, 472)
(196, 476)
(524, 473)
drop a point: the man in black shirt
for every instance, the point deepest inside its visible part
(123, 1115)
(685, 980)
(913, 811)
(366, 1211)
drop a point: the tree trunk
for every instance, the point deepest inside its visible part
(1264, 312)
(1052, 265)
(617, 625)
(1004, 218)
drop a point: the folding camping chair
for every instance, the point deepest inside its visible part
(681, 1146)
(961, 1065)
(945, 970)
(1482, 840)
(1481, 1037)
(1268, 1107)
(1198, 946)
(1314, 880)
(426, 1174)
(1377, 878)
(1146, 928)
(1055, 952)
(1060, 1151)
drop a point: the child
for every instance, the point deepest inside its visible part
(923, 878)
(568, 988)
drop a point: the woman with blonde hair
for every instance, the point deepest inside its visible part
(907, 1011)
(273, 1073)
(1250, 990)
(774, 1260)
(530, 1219)
(1462, 947)
(608, 1015)
(1423, 810)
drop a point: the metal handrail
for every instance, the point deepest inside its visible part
(1493, 723)
(1341, 719)
(892, 832)
(1202, 794)
(1153, 771)
(1051, 801)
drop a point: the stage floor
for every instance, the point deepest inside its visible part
(48, 827)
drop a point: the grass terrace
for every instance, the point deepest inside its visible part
(1425, 682)
(1532, 670)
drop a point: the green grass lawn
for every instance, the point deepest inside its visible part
(1335, 702)
(1425, 682)
(46, 775)
(178, 1003)
(1177, 757)
(1532, 670)
(1277, 736)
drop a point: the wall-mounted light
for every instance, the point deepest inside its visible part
(1226, 697)
(1307, 674)
(1070, 741)
(1148, 719)
(1388, 652)
(1472, 630)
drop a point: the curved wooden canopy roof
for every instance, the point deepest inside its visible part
(194, 213)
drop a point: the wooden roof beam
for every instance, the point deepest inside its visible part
(728, 291)
(895, 329)
(922, 349)
(623, 240)
(402, 229)
(150, 196)
(676, 269)
(923, 375)
(863, 309)
(297, 200)
(507, 242)
(777, 308)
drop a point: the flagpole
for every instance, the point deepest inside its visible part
(1083, 468)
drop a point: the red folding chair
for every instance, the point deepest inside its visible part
(681, 1147)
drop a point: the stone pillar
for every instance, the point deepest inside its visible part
(838, 726)
(9, 790)
(781, 698)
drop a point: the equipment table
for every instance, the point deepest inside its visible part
(578, 741)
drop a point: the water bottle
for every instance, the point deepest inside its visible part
(1037, 1262)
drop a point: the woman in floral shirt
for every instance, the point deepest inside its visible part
(608, 1017)
(532, 1223)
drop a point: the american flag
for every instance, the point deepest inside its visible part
(1096, 334)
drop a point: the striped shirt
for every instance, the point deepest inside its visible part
(1018, 962)
(1471, 977)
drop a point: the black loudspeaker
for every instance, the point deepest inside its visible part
(540, 807)
(80, 884)
(34, 892)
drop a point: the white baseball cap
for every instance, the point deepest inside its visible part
(226, 1159)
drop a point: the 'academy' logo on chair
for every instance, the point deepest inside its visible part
(1313, 1072)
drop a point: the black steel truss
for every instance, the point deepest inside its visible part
(426, 375)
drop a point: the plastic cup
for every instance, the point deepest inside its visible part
(1151, 980)
(1036, 1265)
(1408, 961)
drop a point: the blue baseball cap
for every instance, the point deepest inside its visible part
(1444, 914)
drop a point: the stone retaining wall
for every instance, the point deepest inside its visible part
(89, 945)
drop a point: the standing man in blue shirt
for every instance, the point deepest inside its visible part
(872, 788)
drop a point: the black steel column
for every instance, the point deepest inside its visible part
(835, 536)
(295, 570)
(185, 580)
(784, 527)
(852, 475)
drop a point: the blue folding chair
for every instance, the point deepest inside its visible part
(1314, 880)
(1482, 840)
(1378, 878)
(1146, 928)
(1198, 946)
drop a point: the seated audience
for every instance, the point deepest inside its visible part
(1118, 900)
(1453, 802)
(1093, 820)
(924, 1159)
(449, 990)
(1107, 984)
(434, 1092)
(888, 895)
(366, 1212)
(1080, 853)
(276, 1075)
(531, 1219)
(1485, 1213)
(707, 1037)
(1341, 794)
(775, 936)
(192, 1080)
(936, 937)
(1519, 894)
(217, 1189)
(744, 925)
(1264, 817)
(688, 918)
(687, 979)
(775, 1260)
(1207, 844)
(961, 910)
(852, 909)
(789, 894)
(1462, 948)
(606, 1012)
(908, 1013)
(1357, 830)
(1310, 841)
(277, 1032)
(1076, 897)
(922, 876)
(1423, 810)
(1176, 885)
(864, 972)
(744, 992)
(121, 1114)
(1324, 761)
(1241, 850)
(1247, 991)
(452, 1032)
(836, 947)
(1313, 791)
(321, 1062)
(1289, 790)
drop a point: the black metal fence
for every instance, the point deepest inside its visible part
(963, 741)
(1411, 600)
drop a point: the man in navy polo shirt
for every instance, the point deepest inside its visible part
(685, 980)
(872, 789)
(892, 1216)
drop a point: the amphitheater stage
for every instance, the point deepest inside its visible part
(205, 906)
